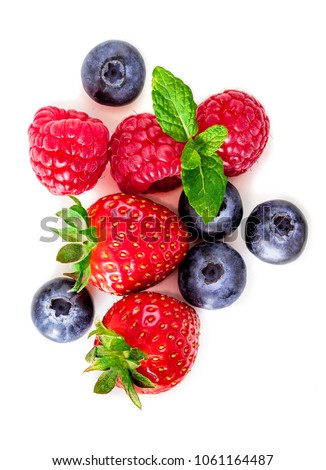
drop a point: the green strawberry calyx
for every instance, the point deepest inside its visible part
(202, 170)
(82, 240)
(117, 360)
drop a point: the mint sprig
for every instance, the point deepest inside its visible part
(202, 170)
(83, 240)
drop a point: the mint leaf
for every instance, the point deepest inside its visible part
(205, 184)
(190, 156)
(202, 172)
(174, 106)
(209, 141)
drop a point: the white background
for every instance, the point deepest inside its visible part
(258, 386)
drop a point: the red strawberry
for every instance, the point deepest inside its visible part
(143, 158)
(131, 243)
(146, 341)
(247, 125)
(68, 149)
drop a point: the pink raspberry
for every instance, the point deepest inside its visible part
(247, 124)
(143, 158)
(68, 149)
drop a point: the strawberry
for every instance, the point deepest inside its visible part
(146, 342)
(68, 149)
(142, 157)
(123, 243)
(247, 125)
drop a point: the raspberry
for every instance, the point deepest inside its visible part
(247, 124)
(143, 158)
(68, 150)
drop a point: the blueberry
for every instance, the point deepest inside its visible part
(226, 221)
(113, 73)
(60, 315)
(212, 275)
(276, 231)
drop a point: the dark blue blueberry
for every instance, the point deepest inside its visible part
(212, 275)
(60, 315)
(226, 221)
(113, 73)
(276, 231)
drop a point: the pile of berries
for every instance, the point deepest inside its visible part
(125, 243)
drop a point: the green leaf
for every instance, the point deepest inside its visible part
(102, 330)
(100, 363)
(174, 106)
(128, 386)
(69, 233)
(70, 253)
(205, 186)
(118, 359)
(76, 200)
(84, 240)
(81, 211)
(202, 170)
(77, 207)
(106, 381)
(91, 355)
(137, 355)
(140, 380)
(82, 279)
(190, 156)
(103, 351)
(209, 141)
(73, 217)
(116, 343)
(74, 276)
(82, 269)
(90, 233)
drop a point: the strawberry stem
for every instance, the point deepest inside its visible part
(117, 360)
(83, 240)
